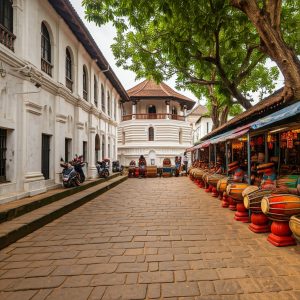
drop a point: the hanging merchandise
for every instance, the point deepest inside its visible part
(289, 140)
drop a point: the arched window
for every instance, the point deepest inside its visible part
(6, 20)
(69, 81)
(108, 104)
(151, 134)
(95, 91)
(174, 113)
(102, 98)
(46, 50)
(85, 83)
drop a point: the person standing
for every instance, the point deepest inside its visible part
(185, 162)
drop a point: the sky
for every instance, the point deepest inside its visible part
(104, 37)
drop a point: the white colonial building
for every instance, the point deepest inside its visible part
(58, 96)
(154, 124)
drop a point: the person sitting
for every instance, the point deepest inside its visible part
(142, 166)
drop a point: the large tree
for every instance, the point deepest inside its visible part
(277, 24)
(192, 39)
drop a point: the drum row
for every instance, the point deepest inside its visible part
(282, 209)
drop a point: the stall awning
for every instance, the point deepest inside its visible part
(282, 114)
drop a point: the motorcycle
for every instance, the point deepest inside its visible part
(103, 168)
(116, 167)
(78, 165)
(69, 175)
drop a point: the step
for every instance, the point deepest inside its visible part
(19, 227)
(14, 209)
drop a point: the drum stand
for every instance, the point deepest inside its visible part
(232, 204)
(259, 223)
(225, 202)
(242, 214)
(281, 235)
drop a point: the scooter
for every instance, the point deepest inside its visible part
(69, 175)
(103, 168)
(78, 165)
(116, 167)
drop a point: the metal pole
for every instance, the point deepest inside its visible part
(226, 158)
(279, 154)
(266, 148)
(215, 153)
(209, 158)
(249, 158)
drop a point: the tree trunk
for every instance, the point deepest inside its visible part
(224, 115)
(267, 24)
(215, 116)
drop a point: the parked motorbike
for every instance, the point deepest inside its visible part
(116, 167)
(69, 175)
(103, 168)
(78, 165)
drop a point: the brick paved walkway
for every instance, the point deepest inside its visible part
(149, 238)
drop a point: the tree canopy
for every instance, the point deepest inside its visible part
(211, 46)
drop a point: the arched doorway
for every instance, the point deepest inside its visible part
(97, 147)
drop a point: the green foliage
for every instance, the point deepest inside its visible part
(201, 42)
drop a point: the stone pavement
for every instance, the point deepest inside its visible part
(149, 238)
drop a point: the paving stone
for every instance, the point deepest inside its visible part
(40, 271)
(100, 268)
(153, 266)
(15, 273)
(134, 251)
(78, 281)
(156, 277)
(36, 283)
(179, 289)
(153, 290)
(80, 293)
(188, 256)
(42, 294)
(93, 260)
(227, 287)
(97, 293)
(179, 275)
(173, 265)
(69, 270)
(120, 259)
(206, 288)
(131, 291)
(198, 275)
(108, 279)
(132, 278)
(19, 295)
(231, 273)
(160, 257)
(132, 267)
(249, 285)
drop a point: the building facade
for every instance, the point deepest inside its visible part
(154, 124)
(58, 96)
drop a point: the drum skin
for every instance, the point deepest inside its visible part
(222, 184)
(214, 179)
(252, 200)
(280, 207)
(250, 189)
(234, 190)
(295, 226)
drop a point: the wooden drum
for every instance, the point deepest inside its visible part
(222, 184)
(234, 190)
(295, 226)
(250, 189)
(280, 207)
(252, 201)
(214, 179)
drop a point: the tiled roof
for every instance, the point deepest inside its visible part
(150, 89)
(65, 9)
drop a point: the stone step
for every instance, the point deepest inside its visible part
(14, 209)
(11, 231)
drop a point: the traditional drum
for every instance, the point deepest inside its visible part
(222, 184)
(152, 171)
(295, 226)
(232, 166)
(234, 190)
(214, 179)
(250, 189)
(262, 168)
(253, 199)
(280, 207)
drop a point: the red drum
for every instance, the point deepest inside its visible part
(234, 190)
(280, 207)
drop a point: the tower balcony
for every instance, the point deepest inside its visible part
(159, 116)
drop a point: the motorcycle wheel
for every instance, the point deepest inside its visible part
(105, 173)
(66, 184)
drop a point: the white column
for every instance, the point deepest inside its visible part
(168, 109)
(133, 110)
(185, 112)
